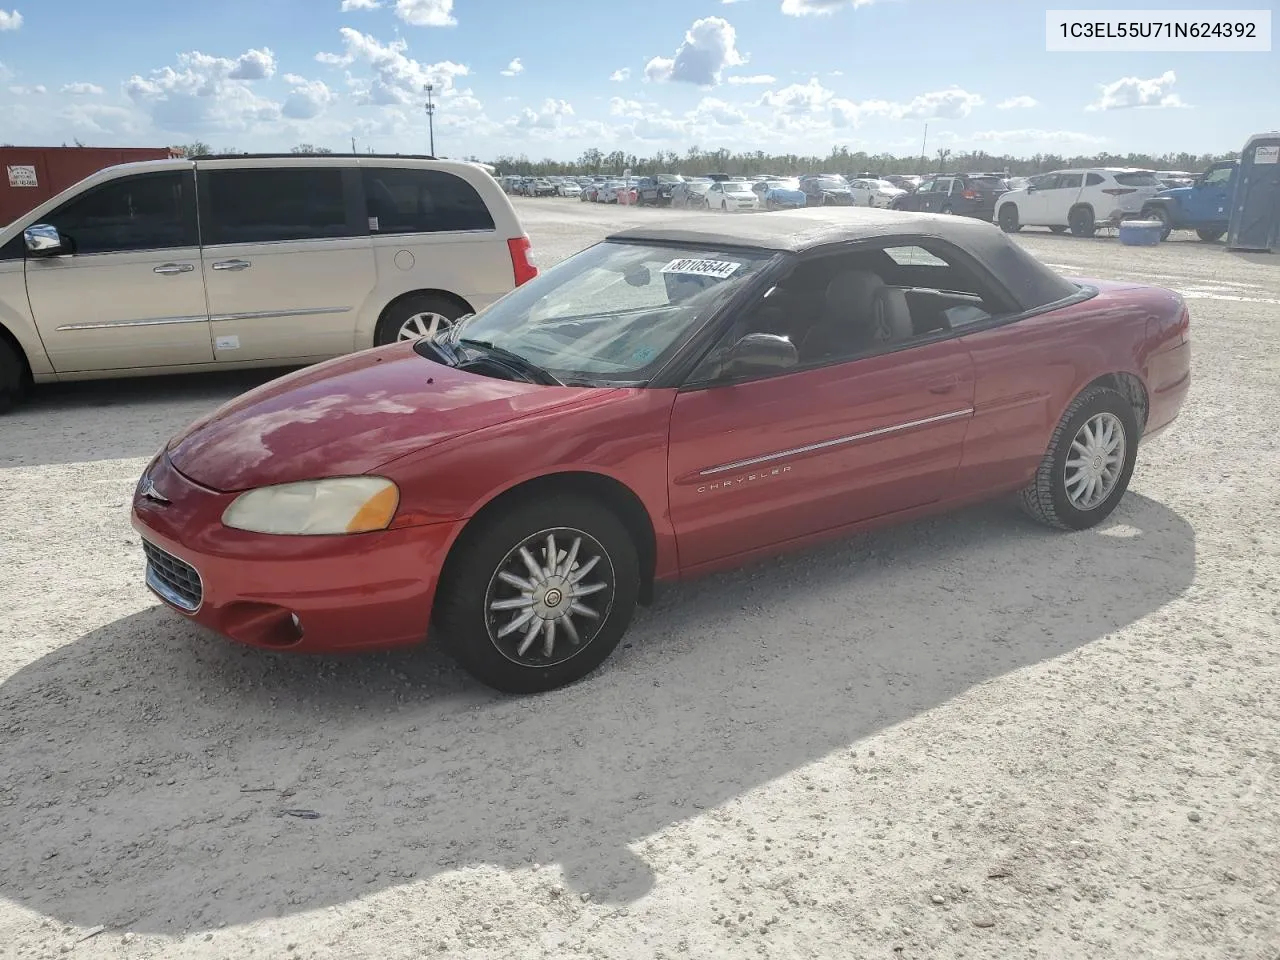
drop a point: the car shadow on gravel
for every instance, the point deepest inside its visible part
(160, 779)
(64, 422)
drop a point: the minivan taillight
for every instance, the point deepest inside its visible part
(970, 194)
(1119, 191)
(521, 265)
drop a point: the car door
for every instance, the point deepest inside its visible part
(1033, 209)
(762, 461)
(131, 294)
(915, 199)
(288, 260)
(937, 199)
(1210, 198)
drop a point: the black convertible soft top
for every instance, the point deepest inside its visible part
(800, 231)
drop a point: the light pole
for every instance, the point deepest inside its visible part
(431, 116)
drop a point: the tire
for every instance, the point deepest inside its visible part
(947, 210)
(1161, 214)
(1057, 228)
(1008, 218)
(1210, 236)
(724, 206)
(1047, 498)
(1081, 223)
(13, 377)
(471, 584)
(395, 322)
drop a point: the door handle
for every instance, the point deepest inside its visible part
(167, 268)
(232, 265)
(945, 385)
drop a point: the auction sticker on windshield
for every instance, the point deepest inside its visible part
(720, 269)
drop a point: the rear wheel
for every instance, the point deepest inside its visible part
(424, 315)
(13, 377)
(540, 595)
(1087, 467)
(947, 210)
(1058, 228)
(1081, 222)
(1161, 215)
(1210, 236)
(1008, 218)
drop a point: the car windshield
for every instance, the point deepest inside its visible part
(831, 183)
(614, 313)
(785, 185)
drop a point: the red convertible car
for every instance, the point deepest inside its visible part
(670, 401)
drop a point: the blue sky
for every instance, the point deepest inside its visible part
(553, 77)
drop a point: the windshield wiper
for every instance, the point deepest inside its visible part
(528, 367)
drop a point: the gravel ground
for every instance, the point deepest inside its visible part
(969, 737)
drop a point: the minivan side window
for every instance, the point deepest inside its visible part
(148, 211)
(271, 204)
(405, 200)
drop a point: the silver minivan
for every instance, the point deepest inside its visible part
(170, 266)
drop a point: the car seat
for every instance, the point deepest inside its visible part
(848, 324)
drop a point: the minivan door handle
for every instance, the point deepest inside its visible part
(232, 265)
(167, 268)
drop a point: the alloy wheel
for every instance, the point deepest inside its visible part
(549, 597)
(1095, 461)
(423, 325)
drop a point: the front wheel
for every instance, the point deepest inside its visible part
(947, 210)
(12, 377)
(1081, 222)
(1008, 218)
(1210, 236)
(539, 595)
(1087, 467)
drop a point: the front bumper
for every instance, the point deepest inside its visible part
(348, 593)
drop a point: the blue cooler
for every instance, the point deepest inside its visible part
(1140, 233)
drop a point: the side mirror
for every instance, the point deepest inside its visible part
(43, 240)
(759, 353)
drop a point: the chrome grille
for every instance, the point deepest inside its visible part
(176, 581)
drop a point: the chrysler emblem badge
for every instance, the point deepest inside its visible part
(150, 492)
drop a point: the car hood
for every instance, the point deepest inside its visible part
(350, 415)
(1174, 193)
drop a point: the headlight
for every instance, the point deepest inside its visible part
(316, 507)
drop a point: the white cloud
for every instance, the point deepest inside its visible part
(807, 8)
(1130, 92)
(397, 79)
(620, 107)
(514, 68)
(81, 89)
(798, 98)
(307, 99)
(711, 110)
(426, 13)
(10, 21)
(950, 104)
(349, 5)
(548, 117)
(100, 118)
(23, 91)
(1034, 136)
(755, 78)
(659, 128)
(709, 46)
(1017, 103)
(727, 2)
(206, 92)
(618, 76)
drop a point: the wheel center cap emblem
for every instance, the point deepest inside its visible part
(1097, 463)
(553, 597)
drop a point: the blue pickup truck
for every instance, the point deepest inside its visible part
(1204, 207)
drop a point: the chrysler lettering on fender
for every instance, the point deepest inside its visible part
(741, 479)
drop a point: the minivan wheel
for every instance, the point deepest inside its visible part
(13, 379)
(540, 594)
(1087, 467)
(947, 210)
(419, 316)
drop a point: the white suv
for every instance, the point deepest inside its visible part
(1077, 200)
(170, 266)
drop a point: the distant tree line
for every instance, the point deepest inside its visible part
(840, 160)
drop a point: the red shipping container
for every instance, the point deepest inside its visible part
(31, 175)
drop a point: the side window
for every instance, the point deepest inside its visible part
(1047, 181)
(151, 211)
(268, 204)
(404, 200)
(1070, 181)
(1093, 179)
(925, 187)
(1221, 175)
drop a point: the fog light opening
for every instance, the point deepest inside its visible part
(297, 624)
